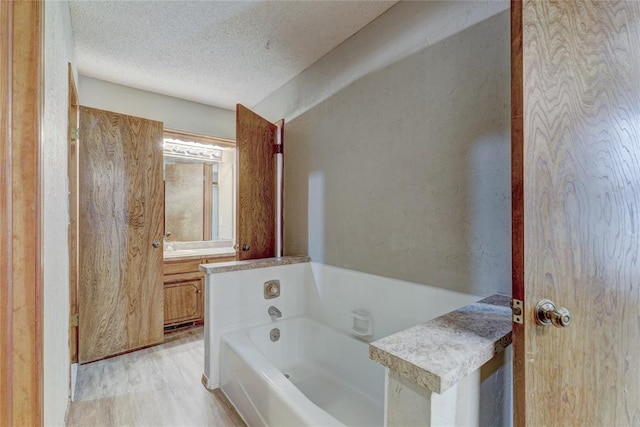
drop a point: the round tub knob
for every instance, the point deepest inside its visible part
(155, 244)
(547, 314)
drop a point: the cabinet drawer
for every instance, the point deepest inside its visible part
(182, 266)
(177, 266)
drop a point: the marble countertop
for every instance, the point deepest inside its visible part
(225, 267)
(439, 353)
(198, 253)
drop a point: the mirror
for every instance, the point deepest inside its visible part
(199, 190)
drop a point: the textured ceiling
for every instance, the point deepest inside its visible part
(214, 52)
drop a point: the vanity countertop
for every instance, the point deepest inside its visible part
(226, 267)
(439, 353)
(184, 254)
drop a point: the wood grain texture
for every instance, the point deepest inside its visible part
(184, 205)
(183, 298)
(517, 211)
(6, 303)
(72, 171)
(191, 264)
(157, 386)
(581, 148)
(120, 215)
(21, 273)
(184, 289)
(256, 210)
(182, 266)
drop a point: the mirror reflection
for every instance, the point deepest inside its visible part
(199, 189)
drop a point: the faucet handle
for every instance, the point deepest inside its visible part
(271, 289)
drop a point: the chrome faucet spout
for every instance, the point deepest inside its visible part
(274, 312)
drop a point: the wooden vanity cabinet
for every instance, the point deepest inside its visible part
(184, 289)
(183, 298)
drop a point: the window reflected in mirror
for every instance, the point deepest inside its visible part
(199, 188)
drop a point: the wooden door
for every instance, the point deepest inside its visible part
(120, 216)
(576, 210)
(257, 185)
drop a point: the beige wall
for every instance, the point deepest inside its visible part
(58, 52)
(406, 28)
(176, 114)
(405, 173)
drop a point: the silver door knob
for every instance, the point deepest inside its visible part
(548, 314)
(155, 244)
(245, 247)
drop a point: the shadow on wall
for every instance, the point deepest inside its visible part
(406, 172)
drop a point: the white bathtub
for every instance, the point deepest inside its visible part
(312, 376)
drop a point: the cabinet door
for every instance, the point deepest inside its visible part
(183, 299)
(120, 222)
(257, 175)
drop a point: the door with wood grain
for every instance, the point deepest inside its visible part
(257, 211)
(576, 211)
(120, 225)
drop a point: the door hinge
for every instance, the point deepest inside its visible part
(517, 309)
(74, 133)
(75, 320)
(278, 149)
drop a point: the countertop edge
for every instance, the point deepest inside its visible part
(195, 257)
(226, 267)
(391, 351)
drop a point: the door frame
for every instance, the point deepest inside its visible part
(517, 209)
(21, 272)
(72, 233)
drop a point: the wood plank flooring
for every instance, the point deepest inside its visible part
(156, 386)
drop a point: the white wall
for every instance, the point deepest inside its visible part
(58, 52)
(405, 173)
(176, 114)
(482, 398)
(394, 305)
(235, 300)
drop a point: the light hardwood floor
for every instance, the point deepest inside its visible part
(157, 386)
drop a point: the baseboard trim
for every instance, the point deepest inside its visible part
(205, 382)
